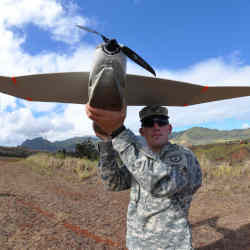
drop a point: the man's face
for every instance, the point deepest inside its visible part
(157, 135)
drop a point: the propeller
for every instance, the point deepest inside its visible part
(112, 46)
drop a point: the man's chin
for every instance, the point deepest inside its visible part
(158, 143)
(156, 138)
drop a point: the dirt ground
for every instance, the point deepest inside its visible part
(41, 212)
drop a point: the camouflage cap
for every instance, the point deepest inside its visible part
(153, 110)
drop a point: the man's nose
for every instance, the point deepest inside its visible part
(156, 125)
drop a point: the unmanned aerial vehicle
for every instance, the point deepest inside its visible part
(108, 86)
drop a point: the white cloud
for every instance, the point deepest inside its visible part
(49, 15)
(211, 72)
(22, 122)
(245, 126)
(7, 101)
(72, 121)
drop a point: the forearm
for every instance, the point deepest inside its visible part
(115, 176)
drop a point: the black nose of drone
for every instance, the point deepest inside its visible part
(111, 46)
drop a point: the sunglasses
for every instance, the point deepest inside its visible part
(149, 123)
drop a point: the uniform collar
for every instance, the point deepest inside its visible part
(167, 147)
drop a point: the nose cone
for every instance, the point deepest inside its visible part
(111, 47)
(106, 91)
(107, 80)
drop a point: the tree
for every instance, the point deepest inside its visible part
(87, 149)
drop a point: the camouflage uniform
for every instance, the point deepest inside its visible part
(161, 185)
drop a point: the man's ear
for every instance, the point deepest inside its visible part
(141, 130)
(170, 129)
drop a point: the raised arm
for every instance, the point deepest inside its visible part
(114, 175)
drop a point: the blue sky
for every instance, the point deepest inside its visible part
(203, 42)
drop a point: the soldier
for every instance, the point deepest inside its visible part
(162, 176)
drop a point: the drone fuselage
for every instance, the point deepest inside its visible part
(107, 79)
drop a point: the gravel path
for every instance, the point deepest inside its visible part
(41, 212)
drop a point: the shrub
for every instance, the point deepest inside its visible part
(87, 149)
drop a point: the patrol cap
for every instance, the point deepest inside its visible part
(153, 110)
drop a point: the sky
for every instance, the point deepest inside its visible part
(201, 42)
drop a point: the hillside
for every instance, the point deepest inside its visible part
(203, 136)
(39, 144)
(44, 145)
(189, 137)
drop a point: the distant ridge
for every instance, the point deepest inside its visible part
(203, 136)
(192, 136)
(42, 144)
(39, 143)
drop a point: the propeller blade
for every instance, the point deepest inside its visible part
(136, 58)
(58, 87)
(127, 51)
(105, 39)
(143, 91)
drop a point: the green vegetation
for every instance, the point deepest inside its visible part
(224, 179)
(204, 136)
(42, 144)
(87, 149)
(218, 151)
(218, 162)
(224, 165)
(192, 136)
(10, 159)
(14, 152)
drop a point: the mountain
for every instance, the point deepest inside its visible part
(39, 144)
(192, 136)
(70, 144)
(203, 136)
(42, 144)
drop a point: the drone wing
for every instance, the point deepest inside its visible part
(142, 90)
(57, 87)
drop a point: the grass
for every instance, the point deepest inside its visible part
(69, 167)
(225, 169)
(217, 175)
(214, 151)
(10, 159)
(223, 178)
